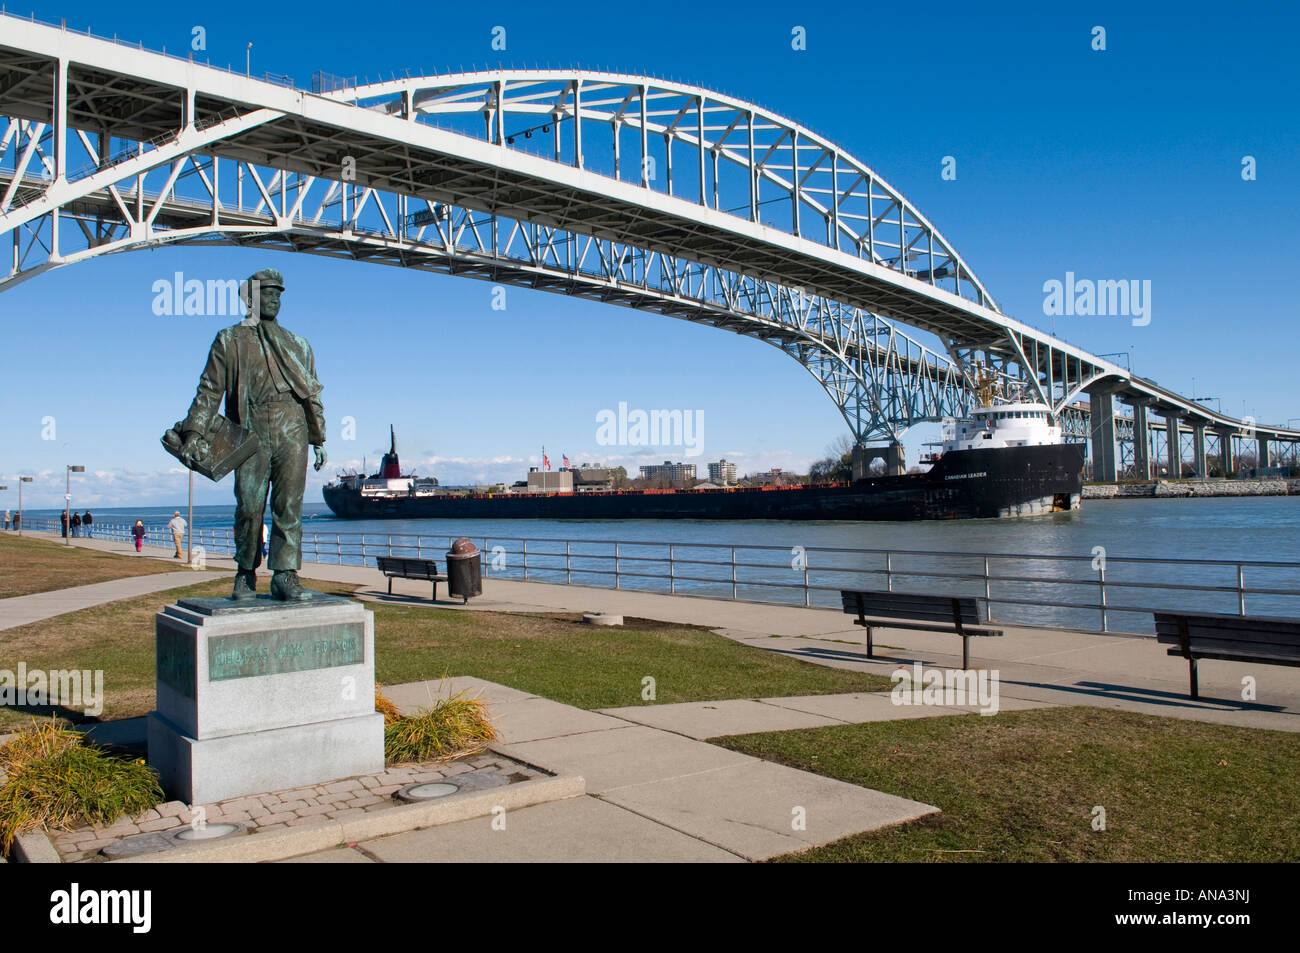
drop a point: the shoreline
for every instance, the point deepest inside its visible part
(1165, 489)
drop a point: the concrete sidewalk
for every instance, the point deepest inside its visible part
(21, 610)
(653, 795)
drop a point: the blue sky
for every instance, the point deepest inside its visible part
(1117, 164)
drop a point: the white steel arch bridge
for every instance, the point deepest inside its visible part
(627, 189)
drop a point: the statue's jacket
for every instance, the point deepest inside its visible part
(229, 368)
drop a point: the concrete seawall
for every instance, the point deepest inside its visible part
(1189, 488)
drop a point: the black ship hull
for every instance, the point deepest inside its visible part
(963, 484)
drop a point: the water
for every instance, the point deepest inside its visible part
(1250, 529)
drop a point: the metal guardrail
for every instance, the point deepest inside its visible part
(1087, 592)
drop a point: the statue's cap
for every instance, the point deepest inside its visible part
(269, 278)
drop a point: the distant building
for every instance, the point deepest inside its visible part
(722, 472)
(773, 477)
(674, 472)
(588, 478)
(550, 481)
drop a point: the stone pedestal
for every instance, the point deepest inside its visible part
(262, 695)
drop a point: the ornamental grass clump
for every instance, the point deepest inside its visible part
(452, 728)
(55, 781)
(386, 708)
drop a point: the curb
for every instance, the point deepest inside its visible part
(307, 839)
(34, 848)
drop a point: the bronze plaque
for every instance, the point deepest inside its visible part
(278, 651)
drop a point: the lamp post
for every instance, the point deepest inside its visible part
(6, 521)
(21, 481)
(67, 504)
(248, 60)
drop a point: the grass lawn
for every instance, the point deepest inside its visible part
(32, 564)
(1021, 786)
(558, 657)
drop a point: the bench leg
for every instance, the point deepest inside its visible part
(435, 592)
(1191, 667)
(965, 652)
(870, 648)
(390, 585)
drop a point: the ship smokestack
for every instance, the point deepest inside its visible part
(389, 467)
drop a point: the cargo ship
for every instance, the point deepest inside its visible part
(1005, 460)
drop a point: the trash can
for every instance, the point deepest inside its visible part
(464, 569)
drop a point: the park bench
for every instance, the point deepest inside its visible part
(902, 610)
(403, 567)
(1230, 638)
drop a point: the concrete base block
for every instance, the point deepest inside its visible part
(201, 772)
(260, 695)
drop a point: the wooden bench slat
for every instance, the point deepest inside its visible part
(1292, 661)
(882, 623)
(912, 606)
(1228, 628)
(1272, 649)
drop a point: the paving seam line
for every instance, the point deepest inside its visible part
(779, 707)
(691, 774)
(664, 824)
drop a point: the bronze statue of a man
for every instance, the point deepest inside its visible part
(268, 377)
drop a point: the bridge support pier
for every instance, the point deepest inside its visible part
(1101, 408)
(1198, 450)
(1174, 448)
(1225, 451)
(1262, 458)
(863, 457)
(1141, 441)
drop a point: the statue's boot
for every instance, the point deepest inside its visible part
(286, 587)
(245, 584)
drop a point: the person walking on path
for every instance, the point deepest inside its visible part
(76, 525)
(85, 523)
(138, 532)
(18, 522)
(63, 517)
(177, 528)
(6, 519)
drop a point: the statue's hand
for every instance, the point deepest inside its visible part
(320, 457)
(192, 448)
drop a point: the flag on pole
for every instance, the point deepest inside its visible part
(566, 463)
(546, 461)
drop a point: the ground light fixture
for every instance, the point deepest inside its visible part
(460, 784)
(429, 791)
(67, 505)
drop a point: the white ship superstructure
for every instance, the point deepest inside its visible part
(996, 426)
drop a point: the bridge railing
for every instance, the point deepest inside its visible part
(1095, 593)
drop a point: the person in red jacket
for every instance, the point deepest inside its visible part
(138, 532)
